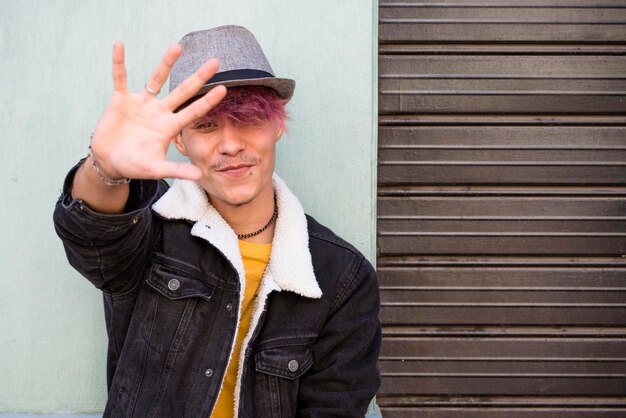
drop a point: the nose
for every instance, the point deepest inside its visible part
(231, 140)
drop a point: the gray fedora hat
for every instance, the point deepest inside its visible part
(242, 61)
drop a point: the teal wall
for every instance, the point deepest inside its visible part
(55, 75)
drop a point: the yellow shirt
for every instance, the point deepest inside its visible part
(255, 258)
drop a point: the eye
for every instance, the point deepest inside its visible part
(204, 125)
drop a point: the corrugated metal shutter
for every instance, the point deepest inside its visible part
(502, 208)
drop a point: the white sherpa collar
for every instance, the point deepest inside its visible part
(290, 264)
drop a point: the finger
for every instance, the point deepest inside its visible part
(170, 169)
(119, 69)
(162, 71)
(201, 106)
(192, 84)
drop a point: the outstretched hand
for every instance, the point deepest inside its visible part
(135, 130)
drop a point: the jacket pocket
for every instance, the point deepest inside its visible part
(286, 361)
(175, 297)
(278, 369)
(178, 294)
(178, 281)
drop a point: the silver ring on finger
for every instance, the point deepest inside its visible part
(151, 90)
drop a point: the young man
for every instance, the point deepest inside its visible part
(222, 298)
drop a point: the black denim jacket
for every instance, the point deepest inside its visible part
(171, 301)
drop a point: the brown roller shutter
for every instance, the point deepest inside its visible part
(502, 208)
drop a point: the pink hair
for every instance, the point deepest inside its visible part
(249, 106)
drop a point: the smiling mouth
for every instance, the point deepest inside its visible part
(235, 170)
(234, 167)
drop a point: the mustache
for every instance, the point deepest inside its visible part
(223, 162)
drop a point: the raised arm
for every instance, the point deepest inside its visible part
(134, 132)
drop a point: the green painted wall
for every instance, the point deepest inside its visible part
(55, 75)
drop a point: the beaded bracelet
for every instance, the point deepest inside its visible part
(96, 168)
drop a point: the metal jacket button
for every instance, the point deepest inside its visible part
(293, 366)
(173, 284)
(208, 372)
(229, 306)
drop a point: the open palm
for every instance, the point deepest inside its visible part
(135, 130)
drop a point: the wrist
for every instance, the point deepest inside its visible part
(102, 175)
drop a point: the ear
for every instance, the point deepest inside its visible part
(180, 145)
(279, 133)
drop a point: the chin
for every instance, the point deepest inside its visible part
(237, 203)
(235, 199)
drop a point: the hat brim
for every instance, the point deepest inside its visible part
(283, 86)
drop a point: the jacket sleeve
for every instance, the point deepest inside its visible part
(344, 377)
(109, 250)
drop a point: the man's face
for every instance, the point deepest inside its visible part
(237, 162)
